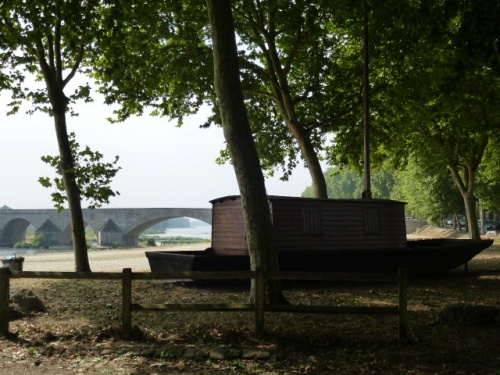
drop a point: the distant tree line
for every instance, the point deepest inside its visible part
(431, 197)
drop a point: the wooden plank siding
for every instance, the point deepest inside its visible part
(345, 224)
(228, 227)
(303, 224)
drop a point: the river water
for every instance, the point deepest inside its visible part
(9, 252)
(201, 232)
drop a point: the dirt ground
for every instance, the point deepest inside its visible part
(80, 331)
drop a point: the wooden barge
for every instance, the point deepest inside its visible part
(343, 235)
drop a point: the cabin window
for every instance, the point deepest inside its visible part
(311, 220)
(372, 221)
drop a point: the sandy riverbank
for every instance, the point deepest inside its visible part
(100, 260)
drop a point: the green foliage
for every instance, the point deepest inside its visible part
(300, 67)
(434, 112)
(344, 183)
(477, 34)
(299, 74)
(29, 33)
(155, 55)
(92, 176)
(173, 240)
(429, 196)
(90, 234)
(23, 245)
(38, 242)
(91, 244)
(488, 180)
(347, 183)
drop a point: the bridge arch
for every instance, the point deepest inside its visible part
(131, 237)
(14, 231)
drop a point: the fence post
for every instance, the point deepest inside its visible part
(403, 305)
(260, 299)
(4, 300)
(126, 302)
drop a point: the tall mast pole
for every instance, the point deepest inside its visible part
(367, 193)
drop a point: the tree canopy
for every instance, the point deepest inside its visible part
(445, 116)
(300, 79)
(439, 104)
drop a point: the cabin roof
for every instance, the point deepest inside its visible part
(280, 197)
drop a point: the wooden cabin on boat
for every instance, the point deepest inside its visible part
(313, 225)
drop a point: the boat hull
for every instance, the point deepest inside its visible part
(420, 257)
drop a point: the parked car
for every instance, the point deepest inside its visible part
(492, 225)
(461, 223)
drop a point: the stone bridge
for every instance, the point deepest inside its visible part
(113, 225)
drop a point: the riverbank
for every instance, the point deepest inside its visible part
(111, 260)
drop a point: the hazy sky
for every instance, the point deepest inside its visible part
(162, 165)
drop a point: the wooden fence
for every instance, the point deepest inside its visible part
(259, 307)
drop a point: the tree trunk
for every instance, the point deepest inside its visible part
(72, 193)
(287, 109)
(237, 132)
(471, 215)
(283, 99)
(59, 104)
(467, 182)
(311, 157)
(466, 186)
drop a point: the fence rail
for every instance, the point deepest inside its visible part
(258, 307)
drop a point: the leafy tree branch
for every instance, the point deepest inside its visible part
(93, 176)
